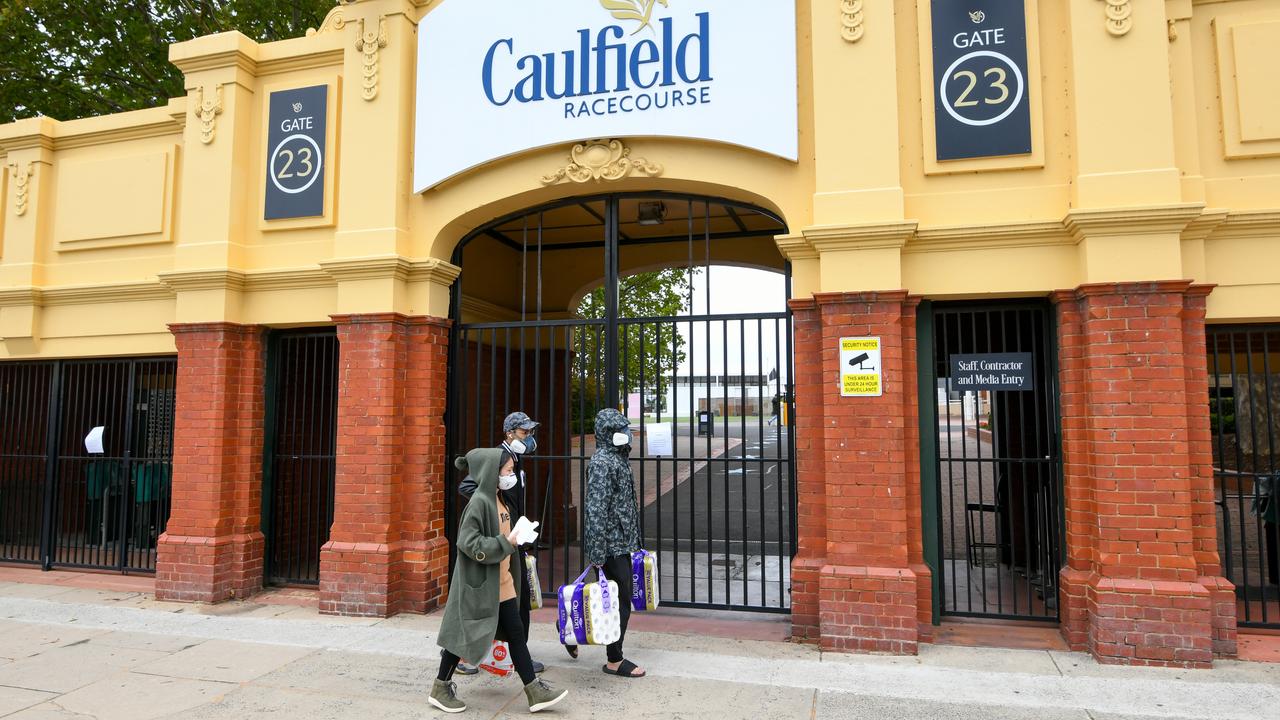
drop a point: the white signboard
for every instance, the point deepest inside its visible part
(499, 77)
(861, 372)
(659, 441)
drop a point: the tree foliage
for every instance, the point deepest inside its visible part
(69, 60)
(648, 363)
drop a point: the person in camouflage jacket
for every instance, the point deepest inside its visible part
(612, 530)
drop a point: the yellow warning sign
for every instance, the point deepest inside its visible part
(860, 368)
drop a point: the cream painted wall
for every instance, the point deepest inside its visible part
(1154, 159)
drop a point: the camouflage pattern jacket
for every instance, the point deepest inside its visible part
(613, 518)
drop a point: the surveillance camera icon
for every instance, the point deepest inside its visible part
(859, 360)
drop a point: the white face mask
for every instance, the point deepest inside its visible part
(518, 447)
(506, 482)
(621, 438)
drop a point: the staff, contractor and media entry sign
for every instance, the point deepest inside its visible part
(499, 77)
(861, 369)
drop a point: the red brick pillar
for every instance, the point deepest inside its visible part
(867, 591)
(811, 489)
(387, 551)
(212, 547)
(1135, 588)
(425, 572)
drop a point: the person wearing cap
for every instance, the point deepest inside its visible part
(518, 440)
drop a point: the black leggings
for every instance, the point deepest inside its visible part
(618, 569)
(510, 626)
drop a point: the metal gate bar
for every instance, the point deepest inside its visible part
(718, 512)
(1243, 398)
(24, 412)
(301, 451)
(997, 466)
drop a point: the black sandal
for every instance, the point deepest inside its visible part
(625, 670)
(572, 650)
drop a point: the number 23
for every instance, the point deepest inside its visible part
(304, 157)
(962, 101)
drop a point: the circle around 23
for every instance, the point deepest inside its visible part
(296, 162)
(982, 88)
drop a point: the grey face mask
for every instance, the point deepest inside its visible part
(524, 447)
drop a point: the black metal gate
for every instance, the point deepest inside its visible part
(1244, 415)
(536, 330)
(64, 504)
(994, 498)
(302, 418)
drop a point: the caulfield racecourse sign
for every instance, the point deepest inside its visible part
(499, 77)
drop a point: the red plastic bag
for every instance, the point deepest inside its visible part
(498, 661)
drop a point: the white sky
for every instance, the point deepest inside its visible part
(738, 290)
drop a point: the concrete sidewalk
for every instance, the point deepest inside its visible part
(68, 652)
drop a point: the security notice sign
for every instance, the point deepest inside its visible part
(860, 369)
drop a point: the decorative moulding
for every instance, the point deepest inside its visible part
(601, 160)
(433, 270)
(207, 108)
(21, 186)
(989, 237)
(394, 267)
(22, 297)
(1205, 225)
(1151, 220)
(370, 42)
(879, 236)
(1248, 224)
(97, 294)
(796, 247)
(290, 279)
(333, 22)
(212, 279)
(851, 20)
(1119, 17)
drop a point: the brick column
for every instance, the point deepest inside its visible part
(811, 489)
(1141, 579)
(425, 572)
(867, 592)
(387, 551)
(212, 547)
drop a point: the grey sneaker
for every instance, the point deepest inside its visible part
(541, 695)
(444, 695)
(465, 669)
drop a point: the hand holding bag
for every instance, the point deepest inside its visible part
(644, 580)
(589, 611)
(498, 661)
(535, 585)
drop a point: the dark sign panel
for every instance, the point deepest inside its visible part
(295, 153)
(993, 371)
(980, 78)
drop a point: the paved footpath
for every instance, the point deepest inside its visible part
(69, 652)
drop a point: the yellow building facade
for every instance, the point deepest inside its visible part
(1154, 171)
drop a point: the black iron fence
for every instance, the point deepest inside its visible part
(998, 533)
(1244, 415)
(302, 416)
(68, 498)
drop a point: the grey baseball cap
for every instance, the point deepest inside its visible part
(518, 421)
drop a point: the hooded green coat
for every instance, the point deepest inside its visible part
(470, 621)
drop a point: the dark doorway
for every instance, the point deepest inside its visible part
(996, 486)
(302, 415)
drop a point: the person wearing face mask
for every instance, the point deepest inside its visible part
(518, 440)
(483, 602)
(612, 530)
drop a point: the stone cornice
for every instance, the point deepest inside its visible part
(433, 270)
(31, 133)
(989, 237)
(98, 294)
(1205, 225)
(21, 297)
(291, 279)
(1147, 220)
(1248, 224)
(384, 267)
(212, 279)
(796, 247)
(327, 57)
(216, 52)
(835, 238)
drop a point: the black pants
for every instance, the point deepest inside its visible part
(510, 628)
(618, 569)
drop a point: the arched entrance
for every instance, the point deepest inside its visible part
(612, 301)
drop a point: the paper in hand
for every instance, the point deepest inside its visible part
(93, 441)
(526, 531)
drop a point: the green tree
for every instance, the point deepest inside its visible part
(69, 60)
(648, 363)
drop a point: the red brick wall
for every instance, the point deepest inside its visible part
(854, 463)
(212, 548)
(1135, 446)
(387, 551)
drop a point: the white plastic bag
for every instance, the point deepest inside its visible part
(498, 661)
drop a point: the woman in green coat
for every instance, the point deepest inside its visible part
(483, 601)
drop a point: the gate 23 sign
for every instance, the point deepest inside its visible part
(500, 77)
(295, 159)
(980, 78)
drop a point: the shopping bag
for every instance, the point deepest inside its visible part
(498, 661)
(535, 585)
(644, 580)
(589, 611)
